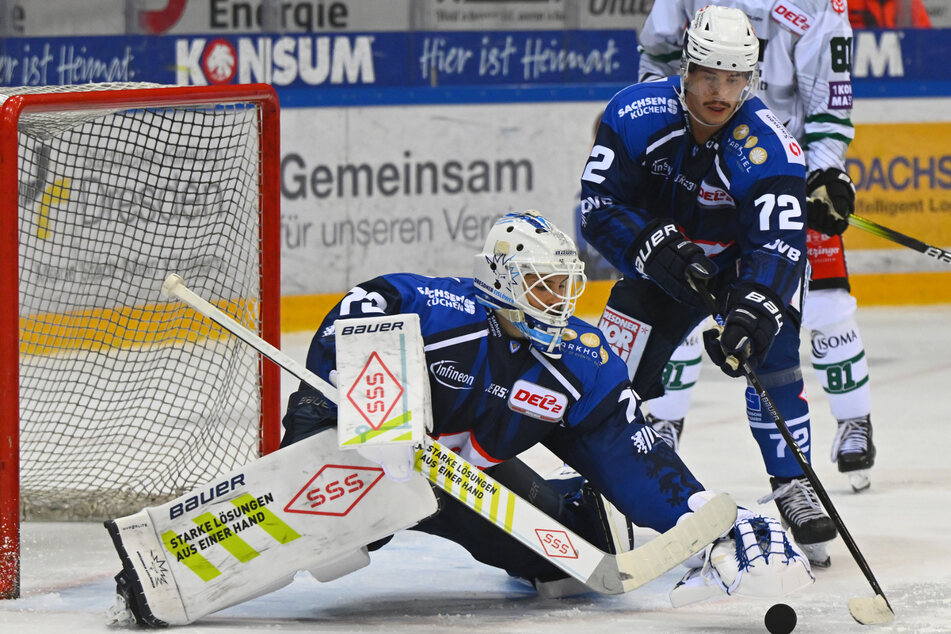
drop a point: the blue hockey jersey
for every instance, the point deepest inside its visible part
(740, 195)
(494, 396)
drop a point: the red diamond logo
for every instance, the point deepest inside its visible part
(556, 543)
(375, 392)
(334, 490)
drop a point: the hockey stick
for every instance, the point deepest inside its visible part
(866, 610)
(601, 572)
(906, 241)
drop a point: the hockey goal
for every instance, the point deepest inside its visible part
(111, 397)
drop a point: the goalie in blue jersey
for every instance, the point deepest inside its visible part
(510, 367)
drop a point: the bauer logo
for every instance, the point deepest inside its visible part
(280, 61)
(206, 495)
(334, 490)
(375, 392)
(362, 329)
(538, 402)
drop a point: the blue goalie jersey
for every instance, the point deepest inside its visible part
(494, 396)
(740, 195)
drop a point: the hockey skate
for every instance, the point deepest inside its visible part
(854, 452)
(802, 514)
(668, 430)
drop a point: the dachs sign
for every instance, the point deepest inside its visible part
(381, 375)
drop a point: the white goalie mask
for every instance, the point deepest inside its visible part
(529, 271)
(721, 38)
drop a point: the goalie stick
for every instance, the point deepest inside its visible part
(600, 571)
(866, 610)
(906, 241)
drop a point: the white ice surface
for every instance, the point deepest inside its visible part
(420, 583)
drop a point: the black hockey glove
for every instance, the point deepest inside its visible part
(308, 412)
(754, 316)
(831, 200)
(669, 259)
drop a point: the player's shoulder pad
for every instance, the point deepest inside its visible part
(421, 292)
(646, 105)
(581, 340)
(758, 144)
(799, 16)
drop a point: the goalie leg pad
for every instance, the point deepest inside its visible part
(308, 506)
(341, 566)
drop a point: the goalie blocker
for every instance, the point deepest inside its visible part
(309, 506)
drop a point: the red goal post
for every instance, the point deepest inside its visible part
(111, 397)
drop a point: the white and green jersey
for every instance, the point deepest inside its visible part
(805, 65)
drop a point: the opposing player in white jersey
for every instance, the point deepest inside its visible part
(805, 64)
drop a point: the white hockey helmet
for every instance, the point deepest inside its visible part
(527, 258)
(722, 38)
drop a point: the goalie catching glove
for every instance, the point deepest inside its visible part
(754, 317)
(664, 255)
(756, 558)
(831, 200)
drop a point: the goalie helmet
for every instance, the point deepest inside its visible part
(529, 271)
(722, 38)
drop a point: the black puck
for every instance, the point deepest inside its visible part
(780, 619)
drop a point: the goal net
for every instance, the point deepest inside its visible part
(115, 397)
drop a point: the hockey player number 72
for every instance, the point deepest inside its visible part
(788, 210)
